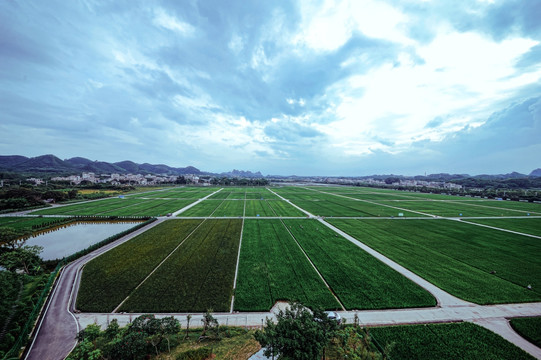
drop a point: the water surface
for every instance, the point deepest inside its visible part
(70, 238)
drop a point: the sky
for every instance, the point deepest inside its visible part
(337, 88)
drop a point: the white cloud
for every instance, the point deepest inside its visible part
(167, 21)
(329, 26)
(462, 74)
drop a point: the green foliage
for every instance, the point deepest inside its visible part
(355, 343)
(477, 264)
(446, 341)
(26, 258)
(272, 267)
(298, 334)
(85, 350)
(195, 354)
(202, 269)
(528, 328)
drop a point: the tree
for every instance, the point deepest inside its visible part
(298, 334)
(26, 257)
(9, 236)
(188, 318)
(209, 323)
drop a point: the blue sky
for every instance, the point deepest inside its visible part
(349, 88)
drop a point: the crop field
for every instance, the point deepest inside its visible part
(336, 206)
(197, 277)
(446, 341)
(359, 280)
(477, 264)
(24, 223)
(110, 278)
(522, 225)
(178, 193)
(272, 267)
(452, 208)
(119, 207)
(239, 207)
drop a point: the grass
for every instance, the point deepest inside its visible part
(272, 267)
(446, 341)
(457, 257)
(358, 279)
(197, 277)
(111, 277)
(528, 328)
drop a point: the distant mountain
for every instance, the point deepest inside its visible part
(243, 174)
(128, 166)
(78, 162)
(536, 173)
(53, 164)
(8, 161)
(43, 163)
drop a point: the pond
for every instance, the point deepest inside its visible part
(67, 239)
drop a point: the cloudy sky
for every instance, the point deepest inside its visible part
(285, 87)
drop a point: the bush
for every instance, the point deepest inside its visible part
(196, 354)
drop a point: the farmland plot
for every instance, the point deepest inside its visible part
(109, 278)
(451, 208)
(258, 208)
(358, 279)
(230, 208)
(477, 264)
(272, 267)
(446, 341)
(197, 277)
(282, 208)
(203, 209)
(522, 225)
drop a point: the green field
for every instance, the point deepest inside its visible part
(272, 267)
(525, 225)
(110, 278)
(119, 207)
(453, 208)
(358, 279)
(446, 341)
(458, 257)
(197, 277)
(25, 223)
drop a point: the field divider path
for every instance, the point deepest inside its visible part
(496, 228)
(310, 215)
(443, 298)
(238, 256)
(489, 207)
(314, 266)
(372, 202)
(195, 203)
(160, 264)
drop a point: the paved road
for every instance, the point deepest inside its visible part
(56, 332)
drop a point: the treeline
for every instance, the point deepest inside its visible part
(233, 181)
(21, 197)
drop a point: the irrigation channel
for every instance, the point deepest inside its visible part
(55, 333)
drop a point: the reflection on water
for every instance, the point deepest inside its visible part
(69, 238)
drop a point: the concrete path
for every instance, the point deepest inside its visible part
(195, 203)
